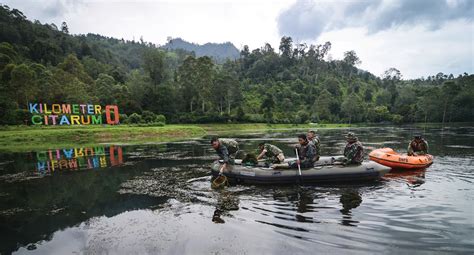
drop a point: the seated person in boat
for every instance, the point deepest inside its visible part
(271, 152)
(225, 149)
(353, 152)
(314, 139)
(306, 152)
(417, 146)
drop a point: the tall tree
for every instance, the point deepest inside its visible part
(286, 45)
(353, 108)
(321, 107)
(153, 63)
(205, 75)
(64, 28)
(267, 107)
(187, 79)
(23, 84)
(351, 58)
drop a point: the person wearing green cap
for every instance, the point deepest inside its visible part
(354, 151)
(417, 146)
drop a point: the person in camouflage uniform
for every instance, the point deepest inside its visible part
(314, 139)
(271, 152)
(225, 149)
(353, 152)
(306, 153)
(417, 146)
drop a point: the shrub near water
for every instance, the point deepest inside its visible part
(134, 118)
(147, 118)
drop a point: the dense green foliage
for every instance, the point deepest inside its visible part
(43, 63)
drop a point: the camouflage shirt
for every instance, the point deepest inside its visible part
(317, 145)
(354, 152)
(223, 153)
(307, 154)
(227, 147)
(272, 150)
(231, 145)
(420, 148)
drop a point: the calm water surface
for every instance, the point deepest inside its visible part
(157, 199)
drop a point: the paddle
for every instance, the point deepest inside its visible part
(298, 162)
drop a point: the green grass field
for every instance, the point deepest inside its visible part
(26, 138)
(30, 138)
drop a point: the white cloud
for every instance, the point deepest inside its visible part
(307, 19)
(413, 50)
(419, 37)
(241, 22)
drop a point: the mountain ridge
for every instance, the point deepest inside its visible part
(220, 52)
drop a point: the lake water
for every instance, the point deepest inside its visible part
(157, 199)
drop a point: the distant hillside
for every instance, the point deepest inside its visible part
(219, 51)
(291, 83)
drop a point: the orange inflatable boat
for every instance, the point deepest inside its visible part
(390, 158)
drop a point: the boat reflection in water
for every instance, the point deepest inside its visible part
(413, 178)
(48, 162)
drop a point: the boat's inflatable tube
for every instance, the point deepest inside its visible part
(324, 171)
(390, 158)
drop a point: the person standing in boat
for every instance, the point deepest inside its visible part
(271, 152)
(226, 150)
(354, 151)
(314, 139)
(417, 146)
(306, 153)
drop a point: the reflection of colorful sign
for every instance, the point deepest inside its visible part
(72, 114)
(78, 158)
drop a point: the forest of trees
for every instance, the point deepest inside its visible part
(295, 83)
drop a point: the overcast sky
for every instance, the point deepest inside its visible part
(419, 37)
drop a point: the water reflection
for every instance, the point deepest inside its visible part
(32, 207)
(78, 159)
(226, 201)
(349, 199)
(158, 198)
(413, 178)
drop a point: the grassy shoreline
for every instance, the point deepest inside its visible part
(243, 127)
(29, 138)
(26, 138)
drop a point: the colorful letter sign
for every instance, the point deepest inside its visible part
(72, 114)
